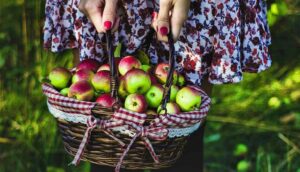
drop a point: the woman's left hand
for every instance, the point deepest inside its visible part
(172, 13)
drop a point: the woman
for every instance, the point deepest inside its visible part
(216, 41)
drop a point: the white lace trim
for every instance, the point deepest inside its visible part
(79, 118)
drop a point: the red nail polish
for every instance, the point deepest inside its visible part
(163, 30)
(107, 25)
(154, 15)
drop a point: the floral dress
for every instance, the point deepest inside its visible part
(221, 39)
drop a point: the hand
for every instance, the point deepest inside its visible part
(102, 13)
(172, 13)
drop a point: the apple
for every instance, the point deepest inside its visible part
(122, 89)
(101, 81)
(146, 68)
(154, 95)
(104, 67)
(188, 99)
(105, 100)
(60, 77)
(153, 80)
(174, 91)
(172, 108)
(151, 112)
(136, 102)
(90, 64)
(81, 90)
(137, 81)
(181, 80)
(83, 74)
(64, 91)
(127, 63)
(161, 73)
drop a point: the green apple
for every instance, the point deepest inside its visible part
(188, 99)
(172, 108)
(64, 91)
(174, 91)
(122, 89)
(136, 102)
(154, 95)
(181, 80)
(146, 68)
(60, 77)
(137, 81)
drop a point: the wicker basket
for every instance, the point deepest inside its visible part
(149, 146)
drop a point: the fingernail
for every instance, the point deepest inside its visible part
(107, 25)
(154, 15)
(163, 30)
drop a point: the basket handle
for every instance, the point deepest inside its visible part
(113, 73)
(167, 90)
(114, 84)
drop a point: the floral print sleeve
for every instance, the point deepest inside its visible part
(220, 39)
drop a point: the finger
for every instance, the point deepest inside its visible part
(116, 25)
(109, 14)
(179, 16)
(163, 19)
(94, 12)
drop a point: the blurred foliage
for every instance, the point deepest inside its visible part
(252, 126)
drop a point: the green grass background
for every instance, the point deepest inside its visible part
(253, 124)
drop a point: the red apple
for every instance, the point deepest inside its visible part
(105, 100)
(101, 81)
(90, 64)
(161, 73)
(104, 67)
(83, 74)
(60, 77)
(127, 63)
(137, 81)
(154, 95)
(188, 99)
(172, 108)
(81, 90)
(136, 103)
(122, 89)
(153, 80)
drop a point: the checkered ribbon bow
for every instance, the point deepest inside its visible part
(154, 133)
(92, 123)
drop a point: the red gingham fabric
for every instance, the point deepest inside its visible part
(156, 131)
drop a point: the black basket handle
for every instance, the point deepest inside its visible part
(113, 69)
(114, 84)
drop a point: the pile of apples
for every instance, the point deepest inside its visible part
(141, 86)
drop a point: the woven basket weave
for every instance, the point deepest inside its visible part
(103, 150)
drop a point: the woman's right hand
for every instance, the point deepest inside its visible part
(102, 13)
